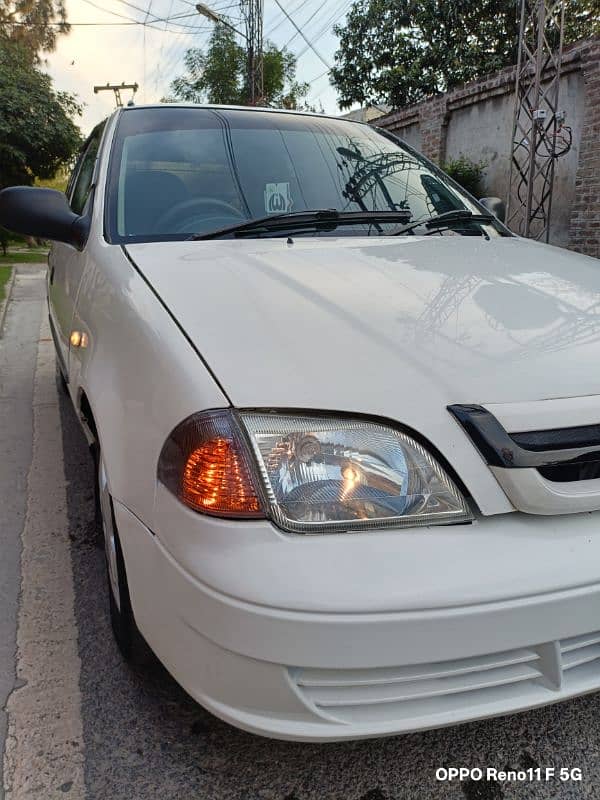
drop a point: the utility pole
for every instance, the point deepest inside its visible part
(252, 11)
(537, 140)
(116, 88)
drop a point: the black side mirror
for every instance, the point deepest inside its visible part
(496, 206)
(43, 213)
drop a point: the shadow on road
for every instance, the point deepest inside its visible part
(145, 738)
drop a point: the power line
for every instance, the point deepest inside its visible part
(144, 62)
(108, 11)
(291, 39)
(131, 24)
(149, 23)
(148, 9)
(137, 21)
(324, 27)
(174, 52)
(132, 5)
(156, 19)
(327, 26)
(162, 47)
(308, 42)
(281, 19)
(319, 76)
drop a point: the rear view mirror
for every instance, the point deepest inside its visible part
(496, 206)
(43, 213)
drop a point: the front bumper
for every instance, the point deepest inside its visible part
(334, 674)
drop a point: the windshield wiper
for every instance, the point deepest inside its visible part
(326, 219)
(446, 220)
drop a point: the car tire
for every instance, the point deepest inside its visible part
(128, 638)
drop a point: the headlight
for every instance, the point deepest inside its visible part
(316, 474)
(325, 474)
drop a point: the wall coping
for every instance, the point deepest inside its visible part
(497, 83)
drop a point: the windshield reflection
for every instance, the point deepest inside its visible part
(176, 172)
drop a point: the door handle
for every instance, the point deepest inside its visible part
(51, 277)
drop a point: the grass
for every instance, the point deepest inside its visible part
(58, 182)
(4, 276)
(38, 257)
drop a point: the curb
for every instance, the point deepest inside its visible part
(8, 294)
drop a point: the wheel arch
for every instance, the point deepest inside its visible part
(87, 419)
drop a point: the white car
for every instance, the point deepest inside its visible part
(346, 425)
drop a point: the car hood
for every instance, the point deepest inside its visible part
(384, 325)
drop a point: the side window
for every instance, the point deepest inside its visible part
(83, 180)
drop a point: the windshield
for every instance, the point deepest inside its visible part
(177, 172)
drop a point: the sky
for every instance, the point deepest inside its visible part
(152, 54)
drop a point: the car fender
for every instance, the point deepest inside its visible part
(138, 371)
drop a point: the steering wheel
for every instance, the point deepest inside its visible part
(180, 218)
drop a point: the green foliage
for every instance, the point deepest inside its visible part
(467, 173)
(4, 239)
(214, 74)
(37, 133)
(218, 74)
(4, 277)
(34, 24)
(58, 182)
(34, 256)
(400, 51)
(281, 89)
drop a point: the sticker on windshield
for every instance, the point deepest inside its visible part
(278, 198)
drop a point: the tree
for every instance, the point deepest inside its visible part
(218, 74)
(37, 131)
(33, 23)
(399, 51)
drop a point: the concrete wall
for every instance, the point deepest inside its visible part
(412, 135)
(482, 131)
(476, 121)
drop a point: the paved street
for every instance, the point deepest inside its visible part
(76, 722)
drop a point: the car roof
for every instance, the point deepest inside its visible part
(222, 107)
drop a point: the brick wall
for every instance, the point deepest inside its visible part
(433, 114)
(576, 208)
(584, 233)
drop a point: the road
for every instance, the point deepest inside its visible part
(78, 723)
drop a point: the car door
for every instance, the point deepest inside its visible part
(65, 262)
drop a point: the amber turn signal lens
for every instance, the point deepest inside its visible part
(215, 479)
(205, 462)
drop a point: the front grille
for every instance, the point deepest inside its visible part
(580, 650)
(583, 468)
(558, 438)
(379, 695)
(559, 454)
